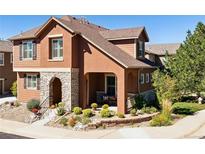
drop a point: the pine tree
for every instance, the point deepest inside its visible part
(187, 67)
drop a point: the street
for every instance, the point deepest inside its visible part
(11, 136)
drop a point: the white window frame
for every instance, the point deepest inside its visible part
(141, 78)
(11, 57)
(147, 77)
(3, 59)
(59, 48)
(112, 75)
(27, 78)
(22, 50)
(2, 79)
(140, 49)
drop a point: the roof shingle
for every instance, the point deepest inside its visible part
(6, 46)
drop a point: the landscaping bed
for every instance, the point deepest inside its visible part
(14, 111)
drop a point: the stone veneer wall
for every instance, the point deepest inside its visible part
(70, 86)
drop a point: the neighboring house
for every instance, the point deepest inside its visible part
(77, 62)
(7, 76)
(157, 52)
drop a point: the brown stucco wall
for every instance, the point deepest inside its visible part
(25, 95)
(92, 60)
(6, 72)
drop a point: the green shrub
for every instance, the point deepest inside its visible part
(87, 113)
(61, 104)
(60, 111)
(33, 104)
(105, 106)
(139, 102)
(85, 120)
(161, 120)
(77, 110)
(120, 115)
(133, 112)
(64, 121)
(14, 88)
(187, 108)
(78, 118)
(105, 113)
(149, 110)
(94, 106)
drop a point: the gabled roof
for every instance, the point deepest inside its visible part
(128, 33)
(6, 46)
(161, 49)
(94, 37)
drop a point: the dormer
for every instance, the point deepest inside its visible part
(130, 40)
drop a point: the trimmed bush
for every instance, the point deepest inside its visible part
(87, 113)
(149, 110)
(61, 104)
(161, 120)
(105, 113)
(133, 112)
(120, 115)
(14, 88)
(105, 106)
(60, 111)
(77, 110)
(94, 106)
(85, 120)
(33, 104)
(64, 121)
(187, 108)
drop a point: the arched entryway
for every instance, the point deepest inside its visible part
(55, 92)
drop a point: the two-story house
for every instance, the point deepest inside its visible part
(157, 52)
(7, 76)
(77, 62)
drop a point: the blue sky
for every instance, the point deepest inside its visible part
(161, 29)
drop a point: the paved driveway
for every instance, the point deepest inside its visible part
(11, 136)
(7, 99)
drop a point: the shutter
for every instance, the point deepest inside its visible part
(38, 82)
(143, 48)
(20, 52)
(137, 48)
(25, 76)
(34, 50)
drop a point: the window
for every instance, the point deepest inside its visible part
(1, 59)
(147, 78)
(27, 50)
(142, 78)
(57, 48)
(110, 85)
(31, 82)
(11, 57)
(141, 49)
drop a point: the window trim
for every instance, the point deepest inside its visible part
(31, 88)
(3, 59)
(11, 58)
(22, 50)
(147, 78)
(142, 79)
(56, 58)
(3, 84)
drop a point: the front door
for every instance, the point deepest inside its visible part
(110, 85)
(1, 87)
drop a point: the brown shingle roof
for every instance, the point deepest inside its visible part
(161, 49)
(6, 46)
(94, 37)
(122, 33)
(26, 35)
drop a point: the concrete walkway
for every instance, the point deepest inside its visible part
(182, 129)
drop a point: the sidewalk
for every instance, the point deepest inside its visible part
(182, 129)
